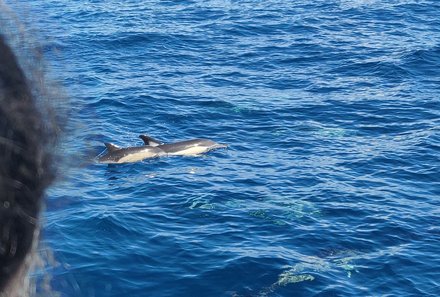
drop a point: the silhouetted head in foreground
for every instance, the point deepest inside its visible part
(25, 172)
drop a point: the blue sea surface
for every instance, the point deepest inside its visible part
(331, 182)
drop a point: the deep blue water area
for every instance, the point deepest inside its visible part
(330, 185)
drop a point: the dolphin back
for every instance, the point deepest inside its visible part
(191, 147)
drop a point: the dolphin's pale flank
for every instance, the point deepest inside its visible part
(116, 154)
(191, 147)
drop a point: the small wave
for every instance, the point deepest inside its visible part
(423, 63)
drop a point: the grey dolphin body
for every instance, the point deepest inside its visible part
(191, 147)
(155, 148)
(116, 154)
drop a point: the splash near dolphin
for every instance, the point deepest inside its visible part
(153, 148)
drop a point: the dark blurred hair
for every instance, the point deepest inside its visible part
(25, 165)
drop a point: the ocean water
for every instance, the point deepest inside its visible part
(331, 182)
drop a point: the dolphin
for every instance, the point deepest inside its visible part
(116, 154)
(191, 147)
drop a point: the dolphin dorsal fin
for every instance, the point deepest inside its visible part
(150, 140)
(111, 147)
